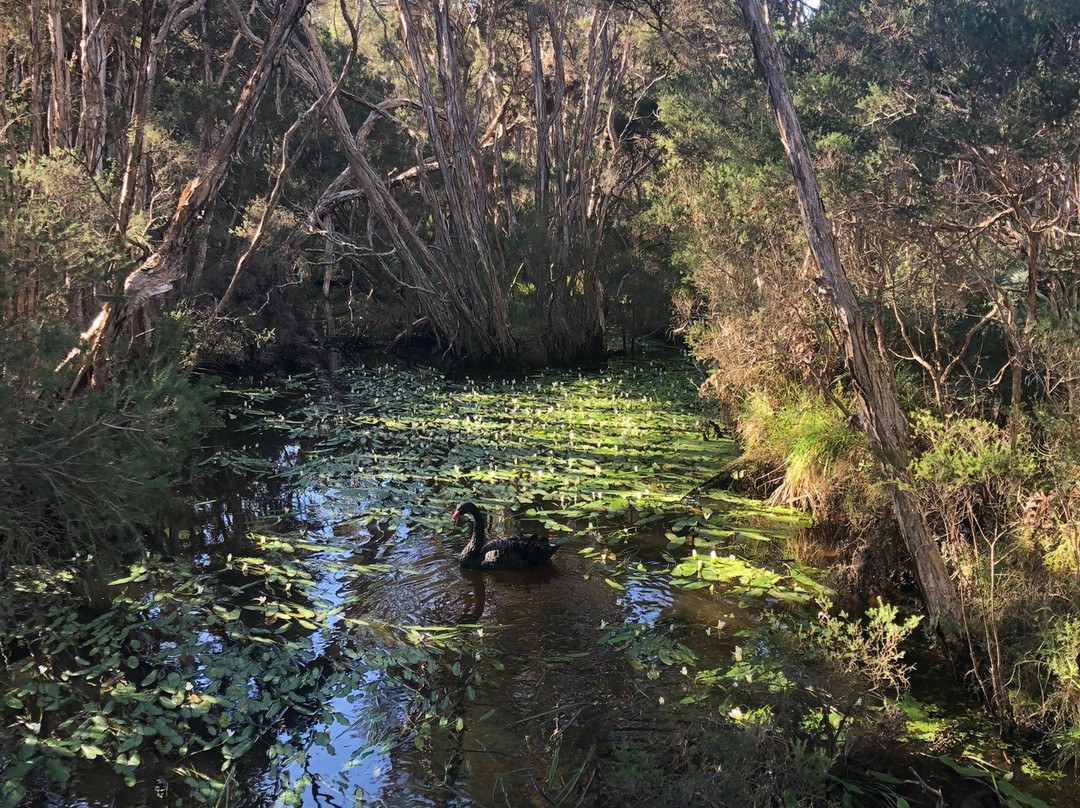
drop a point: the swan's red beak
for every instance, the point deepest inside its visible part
(454, 518)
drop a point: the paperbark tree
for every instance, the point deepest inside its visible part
(142, 97)
(37, 81)
(880, 415)
(453, 127)
(514, 96)
(60, 84)
(157, 274)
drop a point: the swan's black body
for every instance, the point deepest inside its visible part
(511, 553)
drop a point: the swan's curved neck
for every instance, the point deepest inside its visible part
(476, 540)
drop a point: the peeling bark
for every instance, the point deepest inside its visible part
(453, 315)
(179, 12)
(470, 245)
(60, 86)
(37, 105)
(91, 135)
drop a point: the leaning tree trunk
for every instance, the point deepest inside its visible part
(448, 311)
(464, 233)
(882, 419)
(164, 267)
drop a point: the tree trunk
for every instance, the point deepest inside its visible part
(471, 247)
(579, 171)
(164, 267)
(179, 11)
(91, 136)
(60, 87)
(452, 313)
(882, 419)
(37, 105)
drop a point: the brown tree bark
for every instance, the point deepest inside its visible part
(460, 320)
(302, 126)
(582, 173)
(880, 415)
(37, 83)
(463, 235)
(164, 267)
(455, 317)
(150, 43)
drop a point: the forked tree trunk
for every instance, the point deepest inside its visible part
(882, 419)
(150, 44)
(458, 319)
(462, 230)
(164, 267)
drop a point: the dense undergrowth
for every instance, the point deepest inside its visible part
(89, 475)
(969, 303)
(1001, 501)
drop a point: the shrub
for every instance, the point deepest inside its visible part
(81, 476)
(809, 445)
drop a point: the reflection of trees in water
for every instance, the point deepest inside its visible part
(230, 495)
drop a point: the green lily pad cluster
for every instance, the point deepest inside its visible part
(746, 579)
(595, 452)
(185, 663)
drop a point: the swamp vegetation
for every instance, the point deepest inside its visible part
(283, 283)
(310, 638)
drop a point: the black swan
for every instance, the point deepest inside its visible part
(511, 553)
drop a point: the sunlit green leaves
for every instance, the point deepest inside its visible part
(606, 448)
(228, 660)
(746, 579)
(181, 662)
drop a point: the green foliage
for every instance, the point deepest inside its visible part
(85, 476)
(748, 580)
(571, 453)
(54, 247)
(871, 648)
(819, 458)
(967, 452)
(241, 659)
(745, 762)
(82, 475)
(184, 662)
(259, 659)
(787, 725)
(1008, 794)
(1055, 671)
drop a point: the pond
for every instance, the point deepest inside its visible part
(327, 649)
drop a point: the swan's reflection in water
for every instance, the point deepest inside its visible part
(475, 594)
